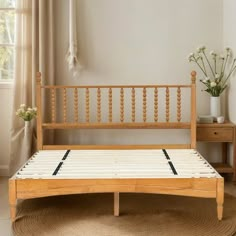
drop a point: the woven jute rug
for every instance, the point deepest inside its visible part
(141, 214)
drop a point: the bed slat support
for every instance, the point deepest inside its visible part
(116, 204)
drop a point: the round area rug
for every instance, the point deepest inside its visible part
(141, 214)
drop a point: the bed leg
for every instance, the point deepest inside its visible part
(116, 204)
(220, 197)
(12, 198)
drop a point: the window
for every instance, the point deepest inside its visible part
(7, 39)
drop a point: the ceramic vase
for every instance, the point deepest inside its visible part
(27, 141)
(215, 107)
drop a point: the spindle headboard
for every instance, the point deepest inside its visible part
(74, 100)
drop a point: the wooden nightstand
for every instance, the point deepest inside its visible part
(222, 133)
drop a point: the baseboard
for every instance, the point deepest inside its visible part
(4, 170)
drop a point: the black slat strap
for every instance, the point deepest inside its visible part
(66, 154)
(57, 169)
(172, 168)
(166, 154)
(170, 162)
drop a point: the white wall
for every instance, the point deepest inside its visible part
(137, 42)
(229, 39)
(5, 105)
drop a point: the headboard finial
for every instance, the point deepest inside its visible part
(38, 77)
(193, 76)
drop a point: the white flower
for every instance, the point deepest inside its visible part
(26, 114)
(22, 106)
(201, 49)
(229, 51)
(215, 78)
(190, 56)
(213, 84)
(213, 53)
(222, 57)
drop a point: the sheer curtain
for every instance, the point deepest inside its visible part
(34, 52)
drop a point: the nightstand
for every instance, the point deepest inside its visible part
(221, 133)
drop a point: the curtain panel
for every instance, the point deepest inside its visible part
(34, 52)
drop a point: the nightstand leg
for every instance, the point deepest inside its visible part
(220, 197)
(224, 153)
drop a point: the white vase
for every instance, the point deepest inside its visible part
(27, 140)
(215, 107)
(27, 130)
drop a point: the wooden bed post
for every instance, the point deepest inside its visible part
(12, 198)
(193, 110)
(39, 112)
(220, 197)
(116, 204)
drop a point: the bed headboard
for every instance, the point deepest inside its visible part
(105, 106)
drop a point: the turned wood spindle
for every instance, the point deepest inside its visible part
(110, 104)
(53, 104)
(64, 105)
(133, 104)
(144, 105)
(178, 104)
(87, 104)
(121, 105)
(99, 105)
(167, 104)
(156, 104)
(76, 109)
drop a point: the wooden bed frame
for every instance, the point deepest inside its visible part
(198, 187)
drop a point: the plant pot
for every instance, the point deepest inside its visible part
(215, 107)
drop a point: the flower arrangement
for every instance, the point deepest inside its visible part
(27, 114)
(215, 78)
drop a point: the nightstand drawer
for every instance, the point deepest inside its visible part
(215, 134)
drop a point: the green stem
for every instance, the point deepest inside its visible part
(228, 76)
(209, 64)
(204, 72)
(221, 70)
(225, 63)
(215, 64)
(232, 70)
(203, 65)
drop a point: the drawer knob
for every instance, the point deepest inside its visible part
(215, 133)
